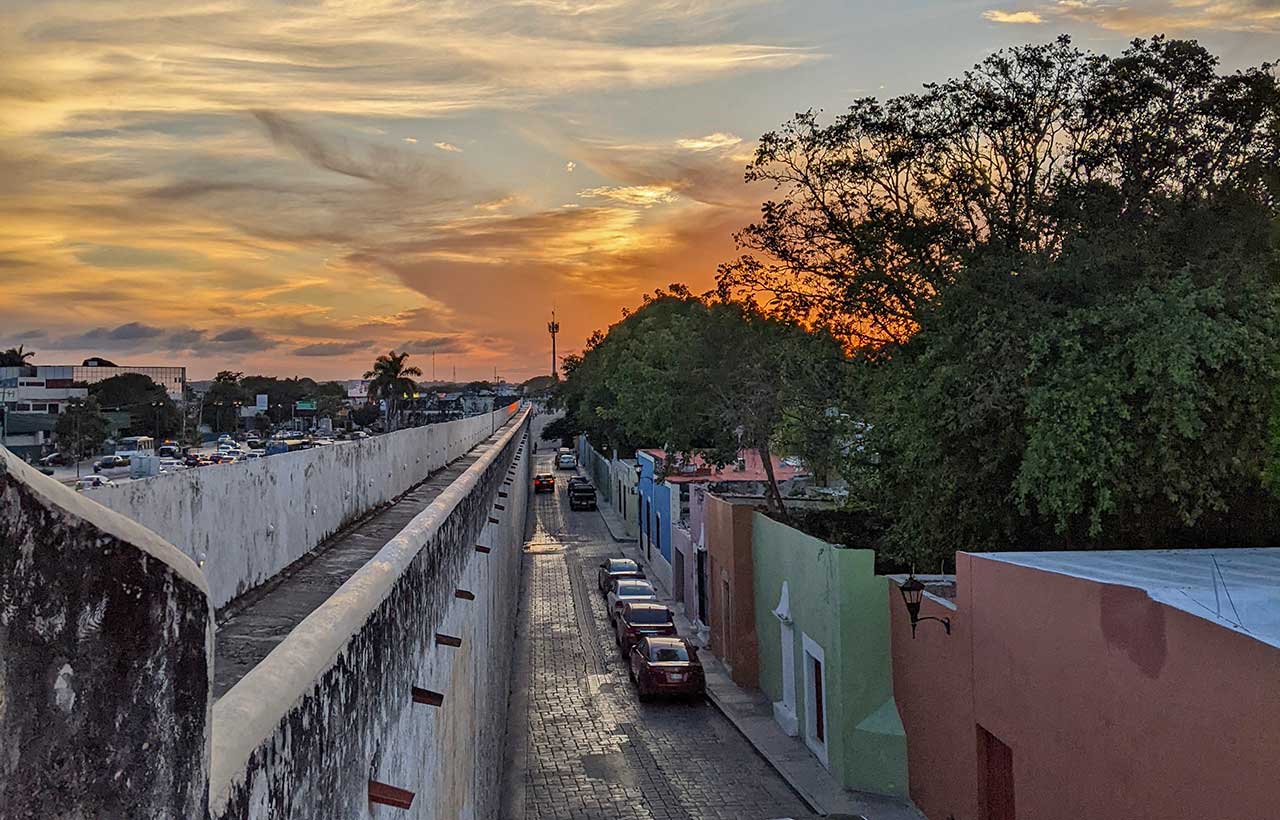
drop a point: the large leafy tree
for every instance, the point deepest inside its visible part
(150, 410)
(391, 380)
(698, 376)
(81, 428)
(1063, 269)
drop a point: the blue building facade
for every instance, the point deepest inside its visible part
(654, 517)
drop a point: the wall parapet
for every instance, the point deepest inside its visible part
(106, 652)
(336, 696)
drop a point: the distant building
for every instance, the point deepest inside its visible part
(40, 389)
(172, 379)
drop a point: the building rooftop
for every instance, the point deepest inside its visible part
(698, 471)
(1238, 589)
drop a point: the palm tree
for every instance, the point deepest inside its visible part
(391, 382)
(15, 357)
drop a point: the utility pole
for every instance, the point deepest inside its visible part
(553, 327)
(433, 367)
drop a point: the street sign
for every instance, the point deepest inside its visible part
(305, 404)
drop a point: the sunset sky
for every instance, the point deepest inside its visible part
(290, 187)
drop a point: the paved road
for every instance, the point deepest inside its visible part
(582, 746)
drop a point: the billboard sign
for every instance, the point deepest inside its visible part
(262, 402)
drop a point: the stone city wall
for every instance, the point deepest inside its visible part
(332, 709)
(248, 521)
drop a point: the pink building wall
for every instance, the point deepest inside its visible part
(730, 570)
(1114, 705)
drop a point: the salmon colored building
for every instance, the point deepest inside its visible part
(1136, 685)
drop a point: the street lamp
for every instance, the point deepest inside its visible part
(912, 593)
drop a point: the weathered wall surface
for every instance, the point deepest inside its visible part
(106, 644)
(251, 520)
(1113, 704)
(331, 708)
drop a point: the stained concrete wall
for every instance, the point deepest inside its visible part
(251, 520)
(303, 733)
(106, 649)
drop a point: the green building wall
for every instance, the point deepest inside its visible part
(839, 602)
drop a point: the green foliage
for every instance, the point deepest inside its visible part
(1062, 270)
(151, 412)
(392, 382)
(697, 375)
(81, 428)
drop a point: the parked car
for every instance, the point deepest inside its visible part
(56, 460)
(91, 481)
(582, 497)
(359, 434)
(666, 666)
(642, 619)
(110, 463)
(625, 590)
(544, 483)
(615, 568)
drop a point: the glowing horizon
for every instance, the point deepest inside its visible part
(290, 190)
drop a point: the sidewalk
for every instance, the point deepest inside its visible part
(612, 521)
(750, 711)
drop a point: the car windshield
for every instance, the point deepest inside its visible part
(623, 565)
(634, 589)
(667, 653)
(650, 616)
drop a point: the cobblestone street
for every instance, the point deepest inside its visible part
(585, 747)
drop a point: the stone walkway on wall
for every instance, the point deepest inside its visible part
(256, 623)
(582, 746)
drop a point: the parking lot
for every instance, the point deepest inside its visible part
(582, 745)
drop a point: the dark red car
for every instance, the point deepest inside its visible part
(640, 619)
(544, 483)
(666, 666)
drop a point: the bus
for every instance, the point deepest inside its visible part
(288, 445)
(131, 446)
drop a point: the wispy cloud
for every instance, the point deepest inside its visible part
(448, 146)
(1015, 17)
(644, 195)
(711, 142)
(1146, 16)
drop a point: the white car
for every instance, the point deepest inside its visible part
(566, 461)
(90, 482)
(625, 590)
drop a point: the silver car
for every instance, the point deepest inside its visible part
(625, 590)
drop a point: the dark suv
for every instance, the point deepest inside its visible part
(582, 497)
